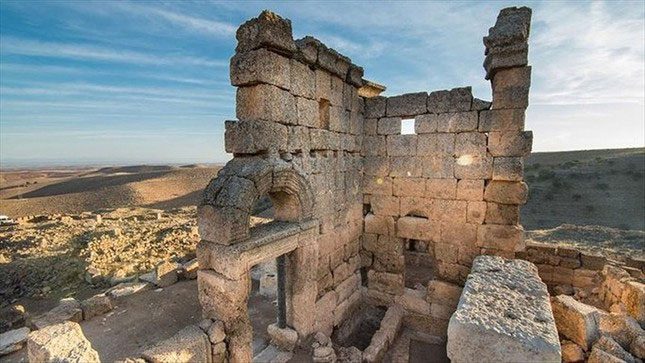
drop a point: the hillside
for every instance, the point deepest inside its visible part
(51, 192)
(595, 187)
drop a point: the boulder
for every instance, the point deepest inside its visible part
(126, 288)
(610, 346)
(68, 309)
(283, 338)
(571, 352)
(503, 315)
(576, 321)
(62, 342)
(600, 356)
(96, 305)
(188, 345)
(13, 340)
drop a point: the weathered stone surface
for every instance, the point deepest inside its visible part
(609, 345)
(441, 188)
(267, 30)
(433, 145)
(68, 309)
(572, 353)
(265, 102)
(251, 137)
(62, 342)
(188, 345)
(502, 120)
(457, 121)
(510, 143)
(500, 237)
(509, 169)
(460, 99)
(502, 213)
(511, 88)
(439, 101)
(600, 356)
(633, 297)
(96, 305)
(506, 43)
(385, 282)
(470, 143)
(260, 66)
(127, 288)
(302, 80)
(410, 104)
(389, 126)
(426, 123)
(166, 273)
(503, 315)
(576, 321)
(473, 167)
(418, 228)
(480, 105)
(13, 340)
(284, 339)
(375, 107)
(216, 332)
(401, 145)
(505, 192)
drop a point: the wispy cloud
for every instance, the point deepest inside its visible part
(30, 47)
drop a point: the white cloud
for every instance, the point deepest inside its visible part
(29, 47)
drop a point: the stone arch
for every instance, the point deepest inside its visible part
(227, 205)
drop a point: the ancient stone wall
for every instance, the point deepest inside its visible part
(451, 191)
(297, 139)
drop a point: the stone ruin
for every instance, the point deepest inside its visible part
(379, 239)
(364, 215)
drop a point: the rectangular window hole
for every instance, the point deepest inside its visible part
(407, 127)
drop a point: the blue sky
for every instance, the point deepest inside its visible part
(120, 82)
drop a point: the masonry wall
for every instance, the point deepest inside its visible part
(298, 109)
(456, 185)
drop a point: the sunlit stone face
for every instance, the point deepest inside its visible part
(465, 160)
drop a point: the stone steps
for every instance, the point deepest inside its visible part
(271, 354)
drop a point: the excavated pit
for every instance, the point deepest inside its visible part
(358, 329)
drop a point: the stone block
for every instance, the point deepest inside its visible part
(571, 352)
(283, 338)
(609, 345)
(436, 144)
(96, 305)
(470, 189)
(480, 105)
(458, 234)
(323, 85)
(166, 273)
(444, 293)
(252, 137)
(302, 80)
(377, 185)
(439, 101)
(370, 127)
(346, 288)
(13, 340)
(385, 282)
(379, 224)
(401, 145)
(265, 102)
(470, 143)
(460, 99)
(510, 143)
(68, 309)
(509, 169)
(409, 187)
(388, 255)
(338, 119)
(576, 321)
(405, 166)
(593, 262)
(457, 121)
(476, 212)
(502, 214)
(446, 253)
(441, 188)
(216, 332)
(375, 107)
(385, 205)
(511, 88)
(511, 119)
(416, 206)
(418, 228)
(449, 210)
(376, 165)
(633, 297)
(332, 61)
(410, 104)
(307, 112)
(260, 66)
(374, 146)
(336, 92)
(62, 342)
(474, 167)
(220, 297)
(425, 124)
(600, 356)
(510, 293)
(190, 344)
(505, 192)
(298, 140)
(440, 167)
(389, 126)
(414, 301)
(500, 237)
(268, 30)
